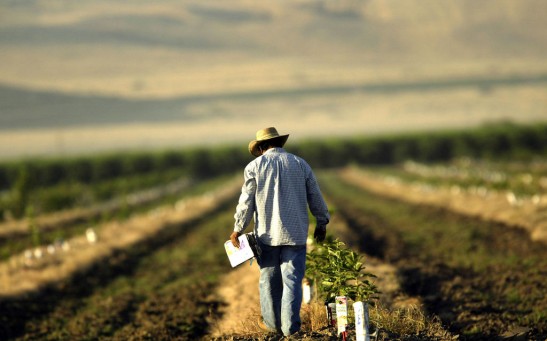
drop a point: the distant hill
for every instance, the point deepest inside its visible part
(97, 63)
(31, 109)
(170, 47)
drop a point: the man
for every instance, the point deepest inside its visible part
(278, 189)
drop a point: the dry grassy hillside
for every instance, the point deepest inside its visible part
(70, 67)
(171, 47)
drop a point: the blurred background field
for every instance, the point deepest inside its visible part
(100, 76)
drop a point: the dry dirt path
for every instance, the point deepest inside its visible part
(241, 312)
(238, 289)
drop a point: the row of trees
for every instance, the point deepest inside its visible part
(498, 141)
(502, 141)
(197, 163)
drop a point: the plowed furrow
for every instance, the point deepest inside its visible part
(482, 279)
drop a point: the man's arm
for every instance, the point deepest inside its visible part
(318, 207)
(317, 204)
(245, 207)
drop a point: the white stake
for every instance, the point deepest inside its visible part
(342, 313)
(361, 321)
(306, 291)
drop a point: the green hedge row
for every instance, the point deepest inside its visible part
(49, 185)
(500, 141)
(198, 163)
(496, 141)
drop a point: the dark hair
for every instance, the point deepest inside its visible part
(273, 143)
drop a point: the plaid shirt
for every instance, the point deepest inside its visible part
(278, 189)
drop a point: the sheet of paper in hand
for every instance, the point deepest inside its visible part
(245, 251)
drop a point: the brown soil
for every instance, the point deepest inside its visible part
(239, 290)
(473, 304)
(477, 304)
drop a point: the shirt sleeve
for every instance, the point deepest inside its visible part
(317, 204)
(246, 204)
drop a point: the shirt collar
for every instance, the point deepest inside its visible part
(274, 149)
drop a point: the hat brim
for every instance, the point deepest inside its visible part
(253, 145)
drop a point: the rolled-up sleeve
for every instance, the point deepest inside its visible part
(246, 204)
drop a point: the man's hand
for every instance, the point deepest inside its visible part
(320, 233)
(234, 238)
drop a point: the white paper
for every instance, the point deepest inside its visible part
(238, 256)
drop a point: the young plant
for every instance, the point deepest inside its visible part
(339, 271)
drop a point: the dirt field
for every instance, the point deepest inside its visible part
(483, 280)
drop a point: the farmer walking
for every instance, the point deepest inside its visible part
(277, 191)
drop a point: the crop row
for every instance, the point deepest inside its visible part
(523, 179)
(37, 232)
(69, 194)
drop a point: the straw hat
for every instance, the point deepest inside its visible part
(265, 135)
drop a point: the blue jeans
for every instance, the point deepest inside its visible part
(281, 272)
